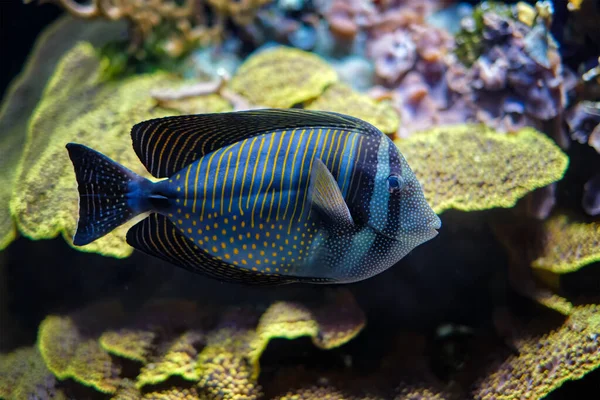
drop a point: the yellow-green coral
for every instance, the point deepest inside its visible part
(128, 391)
(70, 348)
(23, 95)
(342, 98)
(469, 167)
(76, 106)
(178, 359)
(282, 77)
(546, 360)
(23, 375)
(323, 392)
(128, 343)
(568, 245)
(330, 324)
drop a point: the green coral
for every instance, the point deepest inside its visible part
(568, 245)
(23, 375)
(282, 77)
(70, 349)
(76, 106)
(341, 98)
(545, 360)
(23, 94)
(470, 167)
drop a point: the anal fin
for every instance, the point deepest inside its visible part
(159, 237)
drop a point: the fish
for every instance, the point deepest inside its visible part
(259, 197)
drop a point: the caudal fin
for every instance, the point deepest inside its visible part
(109, 194)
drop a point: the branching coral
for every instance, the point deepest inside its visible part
(75, 106)
(474, 168)
(545, 360)
(568, 245)
(282, 77)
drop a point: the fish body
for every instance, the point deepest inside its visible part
(281, 196)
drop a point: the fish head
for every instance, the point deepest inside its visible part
(398, 208)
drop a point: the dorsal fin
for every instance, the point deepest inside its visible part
(159, 237)
(166, 145)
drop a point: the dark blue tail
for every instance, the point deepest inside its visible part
(109, 194)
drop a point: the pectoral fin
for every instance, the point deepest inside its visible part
(327, 197)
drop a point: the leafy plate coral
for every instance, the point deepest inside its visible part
(23, 94)
(469, 167)
(281, 77)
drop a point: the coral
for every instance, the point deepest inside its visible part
(77, 107)
(545, 359)
(325, 392)
(69, 347)
(24, 92)
(147, 18)
(341, 98)
(568, 245)
(281, 77)
(23, 375)
(469, 167)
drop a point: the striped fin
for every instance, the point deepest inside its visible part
(166, 145)
(158, 237)
(105, 193)
(327, 196)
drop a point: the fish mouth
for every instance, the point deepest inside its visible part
(431, 231)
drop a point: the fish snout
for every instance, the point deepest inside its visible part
(434, 223)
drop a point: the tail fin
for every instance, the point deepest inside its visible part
(109, 194)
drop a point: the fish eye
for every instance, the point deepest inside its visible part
(395, 183)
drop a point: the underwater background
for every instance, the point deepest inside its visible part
(496, 107)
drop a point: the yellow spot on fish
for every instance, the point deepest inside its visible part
(170, 215)
(243, 224)
(216, 225)
(257, 236)
(227, 256)
(179, 188)
(178, 176)
(268, 269)
(226, 220)
(189, 230)
(278, 236)
(224, 232)
(234, 228)
(267, 234)
(179, 210)
(280, 248)
(231, 240)
(199, 231)
(223, 245)
(214, 237)
(207, 227)
(194, 223)
(214, 249)
(244, 262)
(250, 255)
(257, 262)
(254, 269)
(253, 246)
(179, 221)
(234, 217)
(262, 252)
(287, 241)
(206, 239)
(236, 251)
(187, 216)
(260, 226)
(245, 247)
(272, 226)
(200, 241)
(274, 254)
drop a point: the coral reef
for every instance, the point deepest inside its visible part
(219, 349)
(545, 359)
(75, 106)
(24, 376)
(471, 167)
(282, 77)
(341, 98)
(24, 93)
(568, 245)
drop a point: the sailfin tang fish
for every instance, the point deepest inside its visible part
(264, 197)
